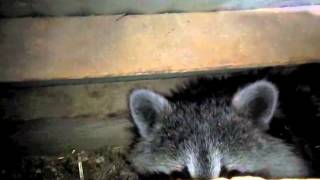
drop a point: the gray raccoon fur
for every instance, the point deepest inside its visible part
(217, 134)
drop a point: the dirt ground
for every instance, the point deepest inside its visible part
(105, 163)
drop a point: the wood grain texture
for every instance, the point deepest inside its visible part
(18, 8)
(116, 46)
(60, 135)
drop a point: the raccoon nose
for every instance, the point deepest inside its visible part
(184, 174)
(229, 173)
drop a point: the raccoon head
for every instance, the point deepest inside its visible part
(219, 136)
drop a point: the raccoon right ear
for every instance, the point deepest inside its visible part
(145, 108)
(257, 101)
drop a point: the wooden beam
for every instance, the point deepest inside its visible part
(120, 46)
(67, 102)
(59, 135)
(18, 8)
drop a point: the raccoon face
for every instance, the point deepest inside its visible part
(213, 138)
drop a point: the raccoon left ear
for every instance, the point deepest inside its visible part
(257, 101)
(145, 108)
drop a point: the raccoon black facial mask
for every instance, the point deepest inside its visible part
(210, 134)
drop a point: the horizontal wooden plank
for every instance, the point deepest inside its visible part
(118, 46)
(102, 99)
(16, 8)
(60, 135)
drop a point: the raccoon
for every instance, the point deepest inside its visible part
(223, 125)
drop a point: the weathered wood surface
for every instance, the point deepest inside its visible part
(60, 135)
(16, 8)
(59, 119)
(103, 99)
(116, 46)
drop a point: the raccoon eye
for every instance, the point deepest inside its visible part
(184, 174)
